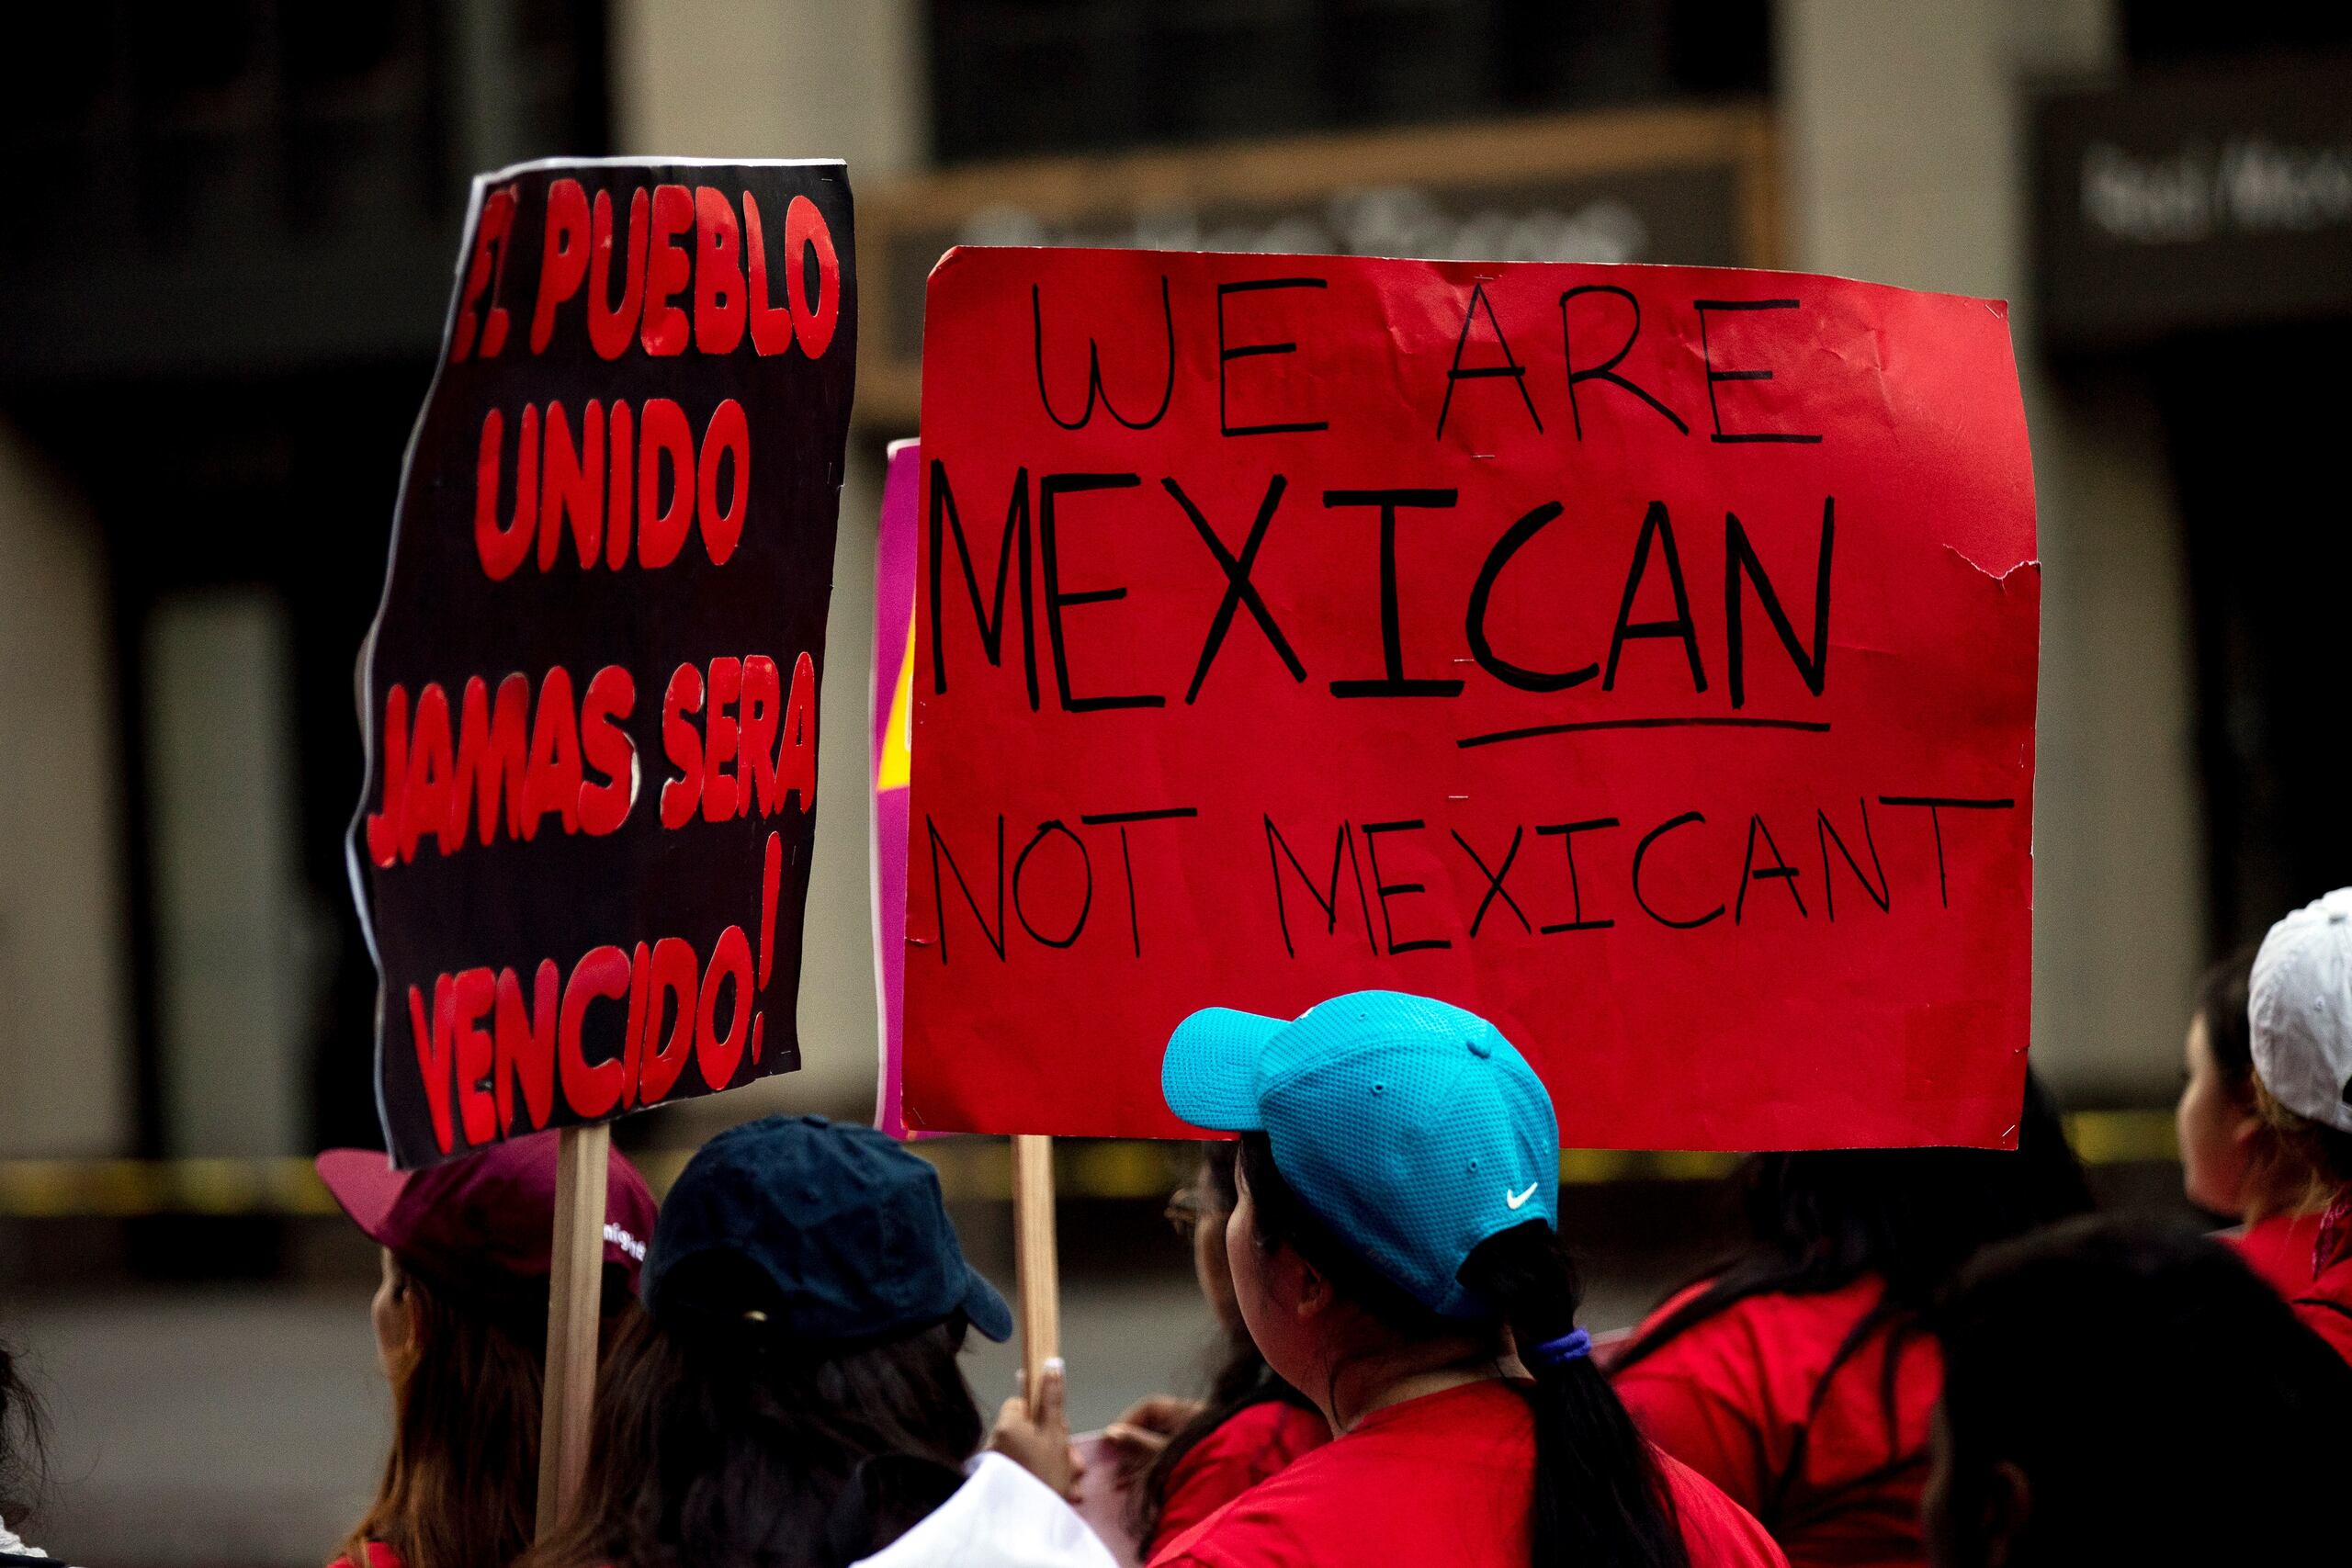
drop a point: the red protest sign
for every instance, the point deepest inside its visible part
(588, 698)
(1642, 656)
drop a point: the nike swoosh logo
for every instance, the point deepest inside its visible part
(1517, 1199)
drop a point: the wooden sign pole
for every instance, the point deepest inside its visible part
(1036, 1270)
(576, 1289)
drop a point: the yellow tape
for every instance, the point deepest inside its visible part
(970, 1169)
(2123, 1137)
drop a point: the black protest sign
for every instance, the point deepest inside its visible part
(590, 696)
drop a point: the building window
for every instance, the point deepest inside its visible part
(1017, 77)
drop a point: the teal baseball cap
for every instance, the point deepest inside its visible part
(1411, 1127)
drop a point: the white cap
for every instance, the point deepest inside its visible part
(2300, 1007)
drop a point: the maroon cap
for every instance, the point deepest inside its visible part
(487, 1219)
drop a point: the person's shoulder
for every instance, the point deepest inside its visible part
(1834, 1311)
(378, 1556)
(1423, 1480)
(1270, 1526)
(1724, 1340)
(1717, 1530)
(1274, 1521)
(2326, 1306)
(1248, 1448)
(1478, 1424)
(1001, 1516)
(1773, 1322)
(1666, 1309)
(2279, 1249)
(1266, 1417)
(1271, 1432)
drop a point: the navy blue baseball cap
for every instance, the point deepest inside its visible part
(1411, 1128)
(847, 1227)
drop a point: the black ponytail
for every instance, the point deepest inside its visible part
(1599, 1498)
(1599, 1493)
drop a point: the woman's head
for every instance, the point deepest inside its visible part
(484, 1223)
(2300, 1006)
(392, 1314)
(1317, 1308)
(460, 1318)
(1412, 1128)
(1819, 1219)
(1394, 1232)
(795, 1397)
(2231, 1162)
(2126, 1391)
(719, 1439)
(1242, 1378)
(20, 1442)
(1344, 1326)
(461, 1484)
(1200, 1211)
(2221, 1133)
(1914, 1216)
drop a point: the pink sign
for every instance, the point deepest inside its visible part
(894, 619)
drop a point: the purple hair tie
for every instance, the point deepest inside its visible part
(1573, 1346)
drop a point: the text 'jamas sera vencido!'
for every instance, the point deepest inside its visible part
(591, 692)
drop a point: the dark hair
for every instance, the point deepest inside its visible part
(2221, 1002)
(719, 1439)
(1820, 1219)
(2222, 997)
(1599, 1497)
(2326, 1149)
(1241, 1380)
(21, 1442)
(2162, 1403)
(461, 1484)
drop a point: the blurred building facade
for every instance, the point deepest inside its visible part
(217, 323)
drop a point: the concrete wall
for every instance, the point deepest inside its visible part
(222, 834)
(1903, 136)
(65, 1073)
(772, 79)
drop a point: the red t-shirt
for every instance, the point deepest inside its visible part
(2279, 1249)
(1252, 1444)
(1441, 1479)
(378, 1556)
(2326, 1305)
(1748, 1399)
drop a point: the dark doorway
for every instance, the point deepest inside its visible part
(2257, 444)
